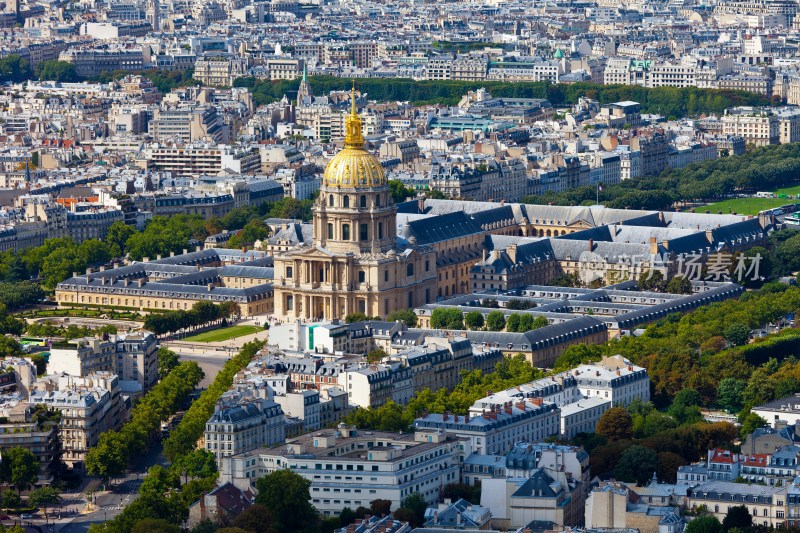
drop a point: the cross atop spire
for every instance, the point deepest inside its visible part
(353, 137)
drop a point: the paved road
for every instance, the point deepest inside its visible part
(211, 363)
(109, 504)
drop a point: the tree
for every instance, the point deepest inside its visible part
(495, 321)
(375, 356)
(636, 464)
(704, 524)
(117, 237)
(256, 519)
(10, 499)
(738, 517)
(652, 280)
(578, 354)
(381, 507)
(355, 317)
(474, 320)
(512, 324)
(155, 525)
(749, 423)
(679, 285)
(737, 334)
(287, 496)
(399, 192)
(19, 468)
(615, 424)
(197, 464)
(55, 70)
(729, 394)
(406, 315)
(447, 318)
(417, 505)
(108, 458)
(167, 360)
(44, 497)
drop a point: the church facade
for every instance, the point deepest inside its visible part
(356, 264)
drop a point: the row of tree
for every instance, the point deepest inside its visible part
(672, 102)
(166, 495)
(115, 449)
(509, 372)
(765, 168)
(201, 314)
(16, 69)
(453, 318)
(183, 438)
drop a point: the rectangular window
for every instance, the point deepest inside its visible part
(289, 302)
(330, 231)
(345, 232)
(363, 232)
(380, 230)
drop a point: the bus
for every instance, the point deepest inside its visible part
(793, 219)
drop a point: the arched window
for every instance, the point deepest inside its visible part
(330, 200)
(410, 269)
(346, 201)
(363, 200)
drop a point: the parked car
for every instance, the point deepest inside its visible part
(26, 516)
(5, 517)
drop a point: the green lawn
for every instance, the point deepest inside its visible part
(223, 334)
(743, 206)
(751, 206)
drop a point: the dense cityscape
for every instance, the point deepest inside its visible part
(370, 267)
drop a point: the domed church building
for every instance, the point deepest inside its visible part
(357, 263)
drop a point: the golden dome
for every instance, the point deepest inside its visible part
(354, 167)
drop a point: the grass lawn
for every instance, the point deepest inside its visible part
(751, 206)
(743, 206)
(223, 334)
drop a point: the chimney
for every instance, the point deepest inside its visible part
(88, 271)
(665, 244)
(537, 402)
(512, 253)
(185, 251)
(126, 281)
(203, 506)
(653, 246)
(140, 282)
(210, 287)
(74, 274)
(172, 254)
(591, 245)
(102, 268)
(709, 235)
(466, 419)
(158, 257)
(146, 259)
(421, 204)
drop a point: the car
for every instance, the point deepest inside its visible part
(26, 516)
(5, 517)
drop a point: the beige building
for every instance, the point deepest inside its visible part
(355, 264)
(89, 406)
(757, 127)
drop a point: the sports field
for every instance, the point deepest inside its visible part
(223, 334)
(750, 206)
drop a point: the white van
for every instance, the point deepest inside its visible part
(765, 195)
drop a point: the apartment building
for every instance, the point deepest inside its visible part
(90, 62)
(186, 124)
(242, 422)
(285, 68)
(89, 405)
(217, 71)
(766, 504)
(197, 160)
(40, 436)
(498, 429)
(756, 126)
(350, 468)
(137, 359)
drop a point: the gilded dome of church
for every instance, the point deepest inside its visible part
(353, 166)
